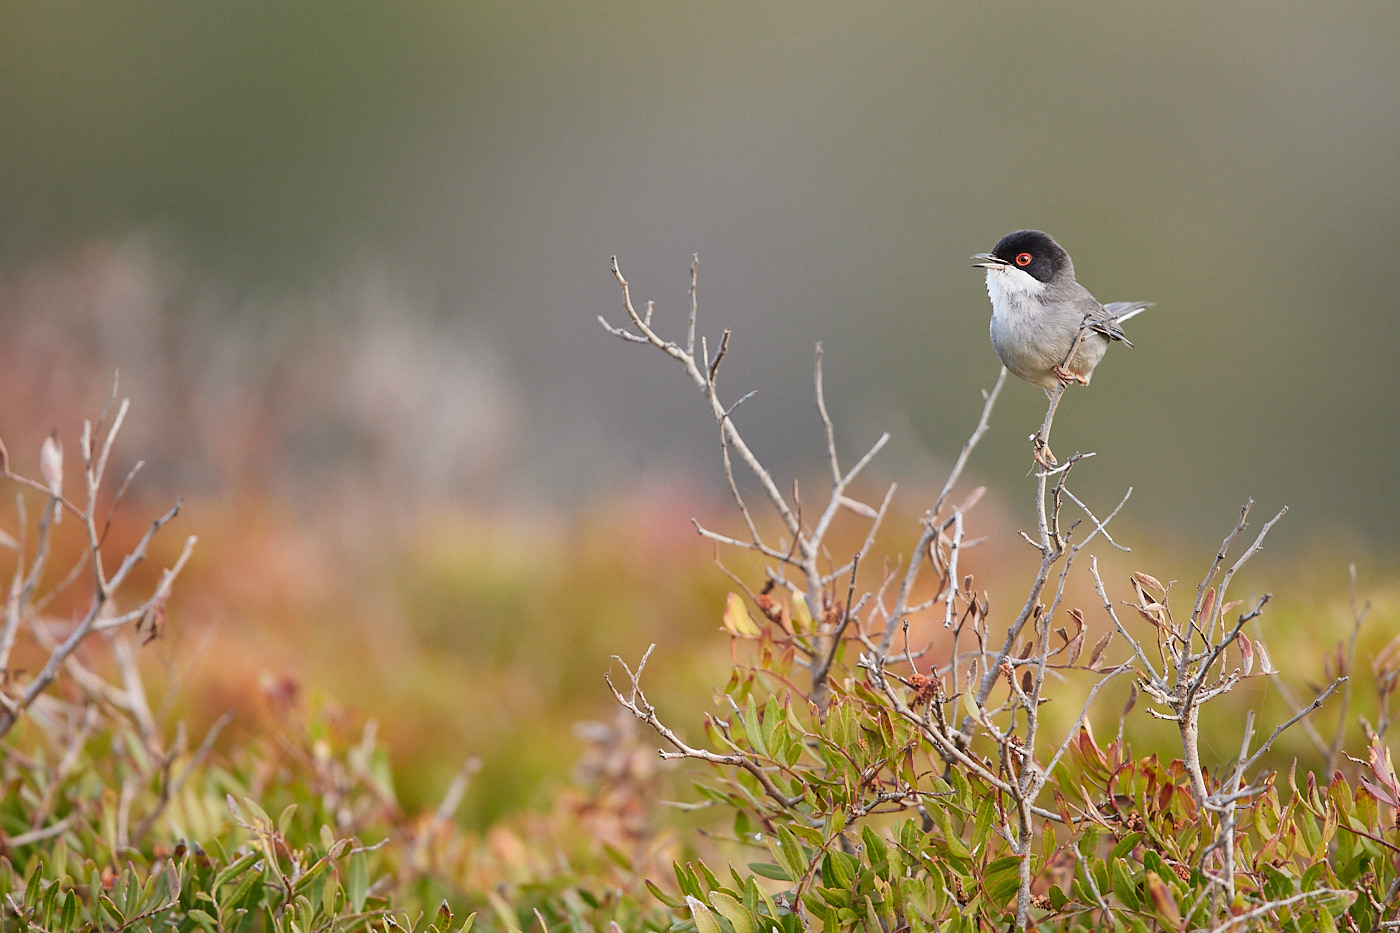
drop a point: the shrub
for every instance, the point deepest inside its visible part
(892, 785)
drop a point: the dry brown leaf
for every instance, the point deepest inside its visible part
(1151, 582)
(1076, 643)
(1207, 604)
(1097, 653)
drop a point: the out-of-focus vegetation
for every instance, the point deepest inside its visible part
(472, 166)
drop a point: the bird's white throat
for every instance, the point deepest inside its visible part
(1012, 291)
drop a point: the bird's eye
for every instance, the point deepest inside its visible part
(1024, 259)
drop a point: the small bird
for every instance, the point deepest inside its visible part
(1039, 310)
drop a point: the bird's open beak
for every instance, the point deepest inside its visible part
(988, 261)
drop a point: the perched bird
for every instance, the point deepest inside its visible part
(1039, 310)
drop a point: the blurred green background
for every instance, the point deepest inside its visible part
(832, 164)
(350, 257)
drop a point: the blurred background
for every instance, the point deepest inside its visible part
(349, 261)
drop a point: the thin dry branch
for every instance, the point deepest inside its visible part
(636, 703)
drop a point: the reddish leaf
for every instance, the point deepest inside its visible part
(1246, 652)
(1162, 900)
(1207, 605)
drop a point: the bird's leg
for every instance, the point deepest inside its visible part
(1040, 440)
(1062, 370)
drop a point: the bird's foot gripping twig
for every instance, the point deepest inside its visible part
(1066, 376)
(1043, 456)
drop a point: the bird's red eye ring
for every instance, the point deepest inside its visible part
(1024, 259)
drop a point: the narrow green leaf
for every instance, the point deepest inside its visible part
(284, 819)
(733, 911)
(753, 730)
(705, 921)
(33, 883)
(233, 871)
(1124, 886)
(877, 853)
(986, 812)
(329, 895)
(951, 839)
(357, 882)
(259, 814)
(790, 850)
(244, 896)
(68, 916)
(773, 718)
(662, 896)
(48, 907)
(202, 918)
(109, 908)
(843, 869)
(687, 880)
(766, 870)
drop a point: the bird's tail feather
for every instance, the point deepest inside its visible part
(1120, 311)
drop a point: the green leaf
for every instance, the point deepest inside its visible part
(765, 870)
(68, 917)
(1100, 873)
(1125, 845)
(110, 909)
(1002, 879)
(986, 812)
(970, 707)
(1124, 887)
(284, 819)
(259, 814)
(357, 882)
(687, 880)
(1058, 897)
(733, 911)
(233, 871)
(952, 841)
(663, 897)
(705, 921)
(245, 896)
(202, 918)
(839, 870)
(49, 903)
(876, 852)
(704, 874)
(33, 884)
(329, 895)
(790, 852)
(753, 730)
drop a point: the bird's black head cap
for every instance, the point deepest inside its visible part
(1035, 253)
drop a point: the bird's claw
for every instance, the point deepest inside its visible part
(1043, 456)
(1066, 376)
